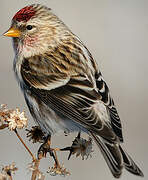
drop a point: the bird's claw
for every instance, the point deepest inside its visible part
(44, 148)
(71, 148)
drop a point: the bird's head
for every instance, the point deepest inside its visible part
(35, 30)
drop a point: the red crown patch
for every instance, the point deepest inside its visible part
(24, 14)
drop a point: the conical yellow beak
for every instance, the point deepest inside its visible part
(12, 32)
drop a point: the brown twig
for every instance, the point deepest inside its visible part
(10, 178)
(33, 157)
(57, 161)
(36, 169)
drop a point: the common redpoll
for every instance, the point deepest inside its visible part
(63, 86)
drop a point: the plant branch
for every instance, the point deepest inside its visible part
(57, 161)
(10, 178)
(33, 157)
(36, 169)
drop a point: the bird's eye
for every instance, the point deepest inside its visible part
(29, 27)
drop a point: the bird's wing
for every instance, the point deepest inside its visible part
(108, 101)
(73, 99)
(106, 98)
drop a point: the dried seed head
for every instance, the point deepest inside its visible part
(4, 114)
(12, 118)
(53, 171)
(17, 120)
(82, 147)
(8, 171)
(35, 134)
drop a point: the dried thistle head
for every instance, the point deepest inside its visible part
(17, 120)
(12, 118)
(56, 170)
(4, 114)
(35, 134)
(80, 146)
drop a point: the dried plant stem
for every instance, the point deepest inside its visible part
(33, 157)
(57, 161)
(36, 169)
(10, 178)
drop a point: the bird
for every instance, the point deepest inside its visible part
(63, 85)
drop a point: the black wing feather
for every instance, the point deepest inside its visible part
(108, 101)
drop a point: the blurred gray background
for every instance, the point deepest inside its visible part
(116, 32)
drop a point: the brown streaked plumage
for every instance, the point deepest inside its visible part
(63, 86)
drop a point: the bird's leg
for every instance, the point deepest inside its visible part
(45, 148)
(71, 148)
(54, 155)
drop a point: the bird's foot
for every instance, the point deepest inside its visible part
(71, 148)
(80, 146)
(45, 148)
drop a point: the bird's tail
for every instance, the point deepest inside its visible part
(129, 164)
(116, 158)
